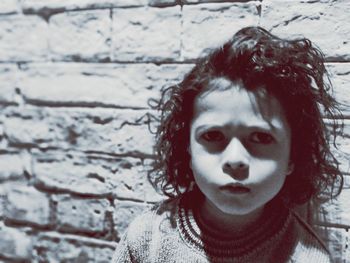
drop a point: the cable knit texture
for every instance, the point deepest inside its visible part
(175, 232)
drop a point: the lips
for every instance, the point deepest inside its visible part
(235, 189)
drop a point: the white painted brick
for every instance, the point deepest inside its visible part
(162, 3)
(28, 132)
(209, 25)
(337, 242)
(321, 21)
(340, 77)
(8, 82)
(14, 243)
(37, 6)
(64, 175)
(103, 130)
(336, 211)
(122, 85)
(55, 247)
(151, 194)
(80, 35)
(23, 38)
(197, 1)
(125, 212)
(86, 215)
(12, 167)
(146, 34)
(128, 3)
(3, 198)
(8, 6)
(26, 204)
(342, 153)
(122, 177)
(208, 1)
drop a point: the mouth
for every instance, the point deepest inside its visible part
(235, 189)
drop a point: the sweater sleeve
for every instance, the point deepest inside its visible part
(134, 244)
(122, 253)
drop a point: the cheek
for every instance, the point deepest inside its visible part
(202, 164)
(268, 176)
(269, 170)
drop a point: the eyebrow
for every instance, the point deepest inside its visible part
(259, 126)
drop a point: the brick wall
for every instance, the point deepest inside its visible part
(75, 77)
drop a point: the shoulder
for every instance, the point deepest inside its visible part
(140, 225)
(143, 231)
(142, 228)
(309, 244)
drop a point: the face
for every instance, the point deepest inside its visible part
(239, 147)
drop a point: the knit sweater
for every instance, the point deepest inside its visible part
(174, 232)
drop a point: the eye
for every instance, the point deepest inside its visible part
(262, 138)
(213, 136)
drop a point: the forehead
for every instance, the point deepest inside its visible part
(226, 100)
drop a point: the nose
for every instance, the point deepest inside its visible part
(236, 159)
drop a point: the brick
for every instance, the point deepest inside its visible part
(26, 204)
(119, 85)
(337, 242)
(210, 1)
(306, 18)
(342, 153)
(83, 35)
(54, 247)
(202, 22)
(68, 176)
(104, 130)
(43, 6)
(27, 132)
(82, 214)
(122, 177)
(12, 167)
(151, 194)
(163, 3)
(125, 212)
(8, 80)
(146, 34)
(336, 211)
(3, 141)
(8, 6)
(14, 243)
(340, 77)
(128, 3)
(23, 38)
(3, 201)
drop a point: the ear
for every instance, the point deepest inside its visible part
(290, 168)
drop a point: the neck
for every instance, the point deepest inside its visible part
(227, 224)
(209, 235)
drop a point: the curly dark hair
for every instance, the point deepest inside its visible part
(291, 70)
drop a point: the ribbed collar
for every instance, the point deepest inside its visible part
(270, 227)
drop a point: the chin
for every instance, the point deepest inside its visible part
(239, 210)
